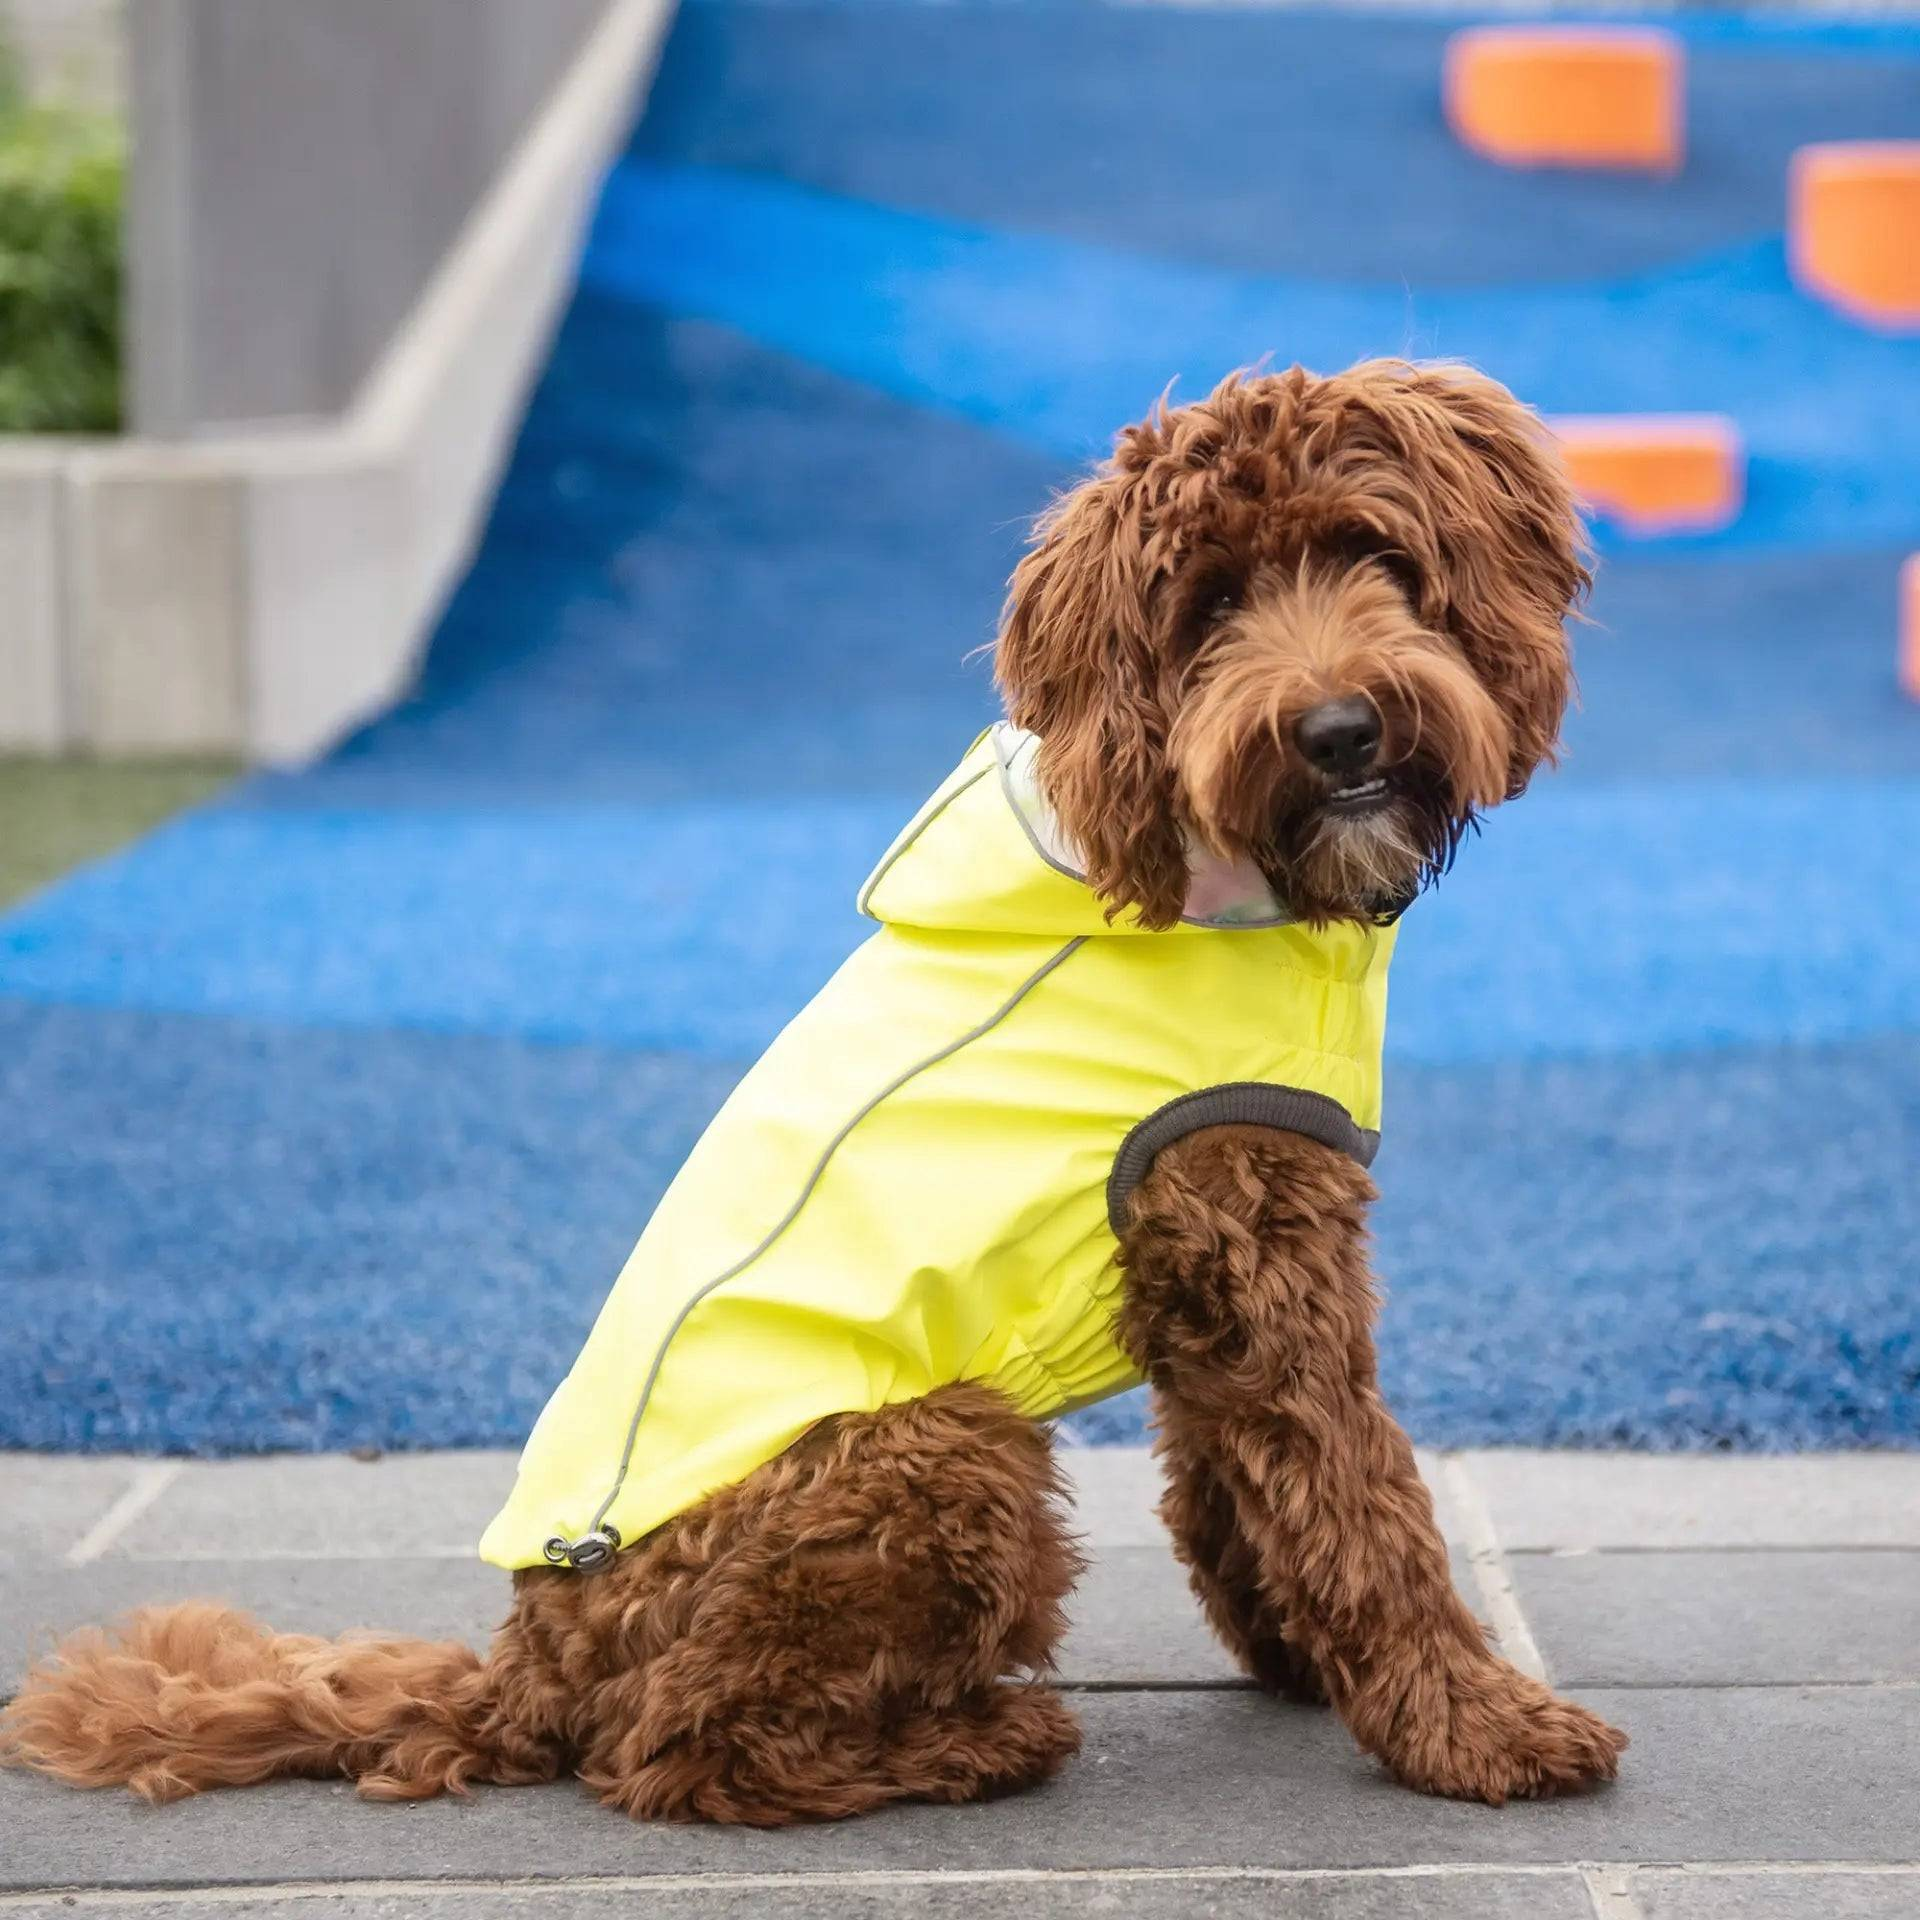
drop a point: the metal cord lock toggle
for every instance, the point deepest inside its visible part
(589, 1554)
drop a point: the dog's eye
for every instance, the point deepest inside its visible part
(1221, 602)
(1368, 548)
(1400, 570)
(1403, 573)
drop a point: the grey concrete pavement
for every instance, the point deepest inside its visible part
(1754, 1624)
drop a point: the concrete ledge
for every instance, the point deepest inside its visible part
(32, 662)
(156, 582)
(265, 594)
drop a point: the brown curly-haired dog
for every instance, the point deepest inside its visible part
(1315, 623)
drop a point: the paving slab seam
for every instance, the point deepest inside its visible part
(1481, 1539)
(1866, 1869)
(296, 1556)
(1226, 1683)
(1587, 1683)
(1614, 1877)
(151, 1478)
(1692, 1550)
(1230, 1684)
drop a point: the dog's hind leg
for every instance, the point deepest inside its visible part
(1250, 1304)
(838, 1631)
(777, 1769)
(1222, 1567)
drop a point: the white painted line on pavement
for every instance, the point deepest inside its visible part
(150, 1480)
(1482, 1542)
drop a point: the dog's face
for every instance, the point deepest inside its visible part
(1314, 622)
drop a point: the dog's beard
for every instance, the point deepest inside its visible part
(1369, 861)
(1246, 790)
(1330, 863)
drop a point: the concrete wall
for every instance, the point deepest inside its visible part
(300, 168)
(266, 591)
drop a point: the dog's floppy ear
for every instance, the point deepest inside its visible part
(1077, 665)
(1512, 547)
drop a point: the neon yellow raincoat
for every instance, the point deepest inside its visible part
(922, 1179)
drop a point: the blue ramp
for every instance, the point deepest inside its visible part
(331, 1109)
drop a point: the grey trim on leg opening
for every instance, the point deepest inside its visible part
(1240, 1103)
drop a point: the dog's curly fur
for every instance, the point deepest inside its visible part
(868, 1617)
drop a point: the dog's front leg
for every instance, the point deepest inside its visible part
(1223, 1567)
(1250, 1306)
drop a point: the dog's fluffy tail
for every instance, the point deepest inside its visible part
(177, 1699)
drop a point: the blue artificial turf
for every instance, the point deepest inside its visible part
(1595, 920)
(332, 1108)
(250, 1235)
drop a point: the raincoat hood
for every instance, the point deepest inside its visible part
(987, 854)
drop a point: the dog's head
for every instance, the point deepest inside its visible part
(1316, 622)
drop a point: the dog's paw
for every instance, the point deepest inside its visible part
(1505, 1737)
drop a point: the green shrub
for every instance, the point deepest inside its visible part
(61, 176)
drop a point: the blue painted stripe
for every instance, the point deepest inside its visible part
(1054, 340)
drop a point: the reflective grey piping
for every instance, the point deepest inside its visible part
(1279, 918)
(913, 833)
(806, 1193)
(1019, 813)
(1240, 1103)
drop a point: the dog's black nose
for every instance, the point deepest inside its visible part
(1340, 736)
